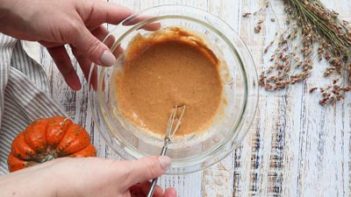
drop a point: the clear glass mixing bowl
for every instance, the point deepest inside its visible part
(194, 152)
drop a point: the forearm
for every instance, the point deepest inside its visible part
(12, 17)
(23, 185)
(6, 8)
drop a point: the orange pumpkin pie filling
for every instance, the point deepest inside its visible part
(166, 68)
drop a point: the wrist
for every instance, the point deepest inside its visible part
(7, 8)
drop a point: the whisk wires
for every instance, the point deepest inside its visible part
(174, 121)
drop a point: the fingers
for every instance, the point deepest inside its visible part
(63, 63)
(93, 14)
(93, 48)
(102, 34)
(170, 192)
(142, 189)
(146, 169)
(98, 12)
(154, 26)
(151, 26)
(103, 12)
(85, 63)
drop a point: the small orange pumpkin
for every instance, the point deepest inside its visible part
(47, 139)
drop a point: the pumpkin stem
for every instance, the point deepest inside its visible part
(46, 156)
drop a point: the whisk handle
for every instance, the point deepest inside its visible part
(152, 188)
(163, 153)
(165, 146)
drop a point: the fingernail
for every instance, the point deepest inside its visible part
(107, 58)
(165, 162)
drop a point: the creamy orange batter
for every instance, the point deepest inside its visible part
(170, 67)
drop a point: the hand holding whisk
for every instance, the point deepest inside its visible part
(173, 125)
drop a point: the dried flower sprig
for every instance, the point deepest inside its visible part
(292, 60)
(258, 26)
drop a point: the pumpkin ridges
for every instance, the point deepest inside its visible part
(35, 137)
(75, 139)
(15, 164)
(86, 152)
(21, 149)
(56, 129)
(47, 139)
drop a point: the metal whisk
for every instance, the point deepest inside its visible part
(173, 125)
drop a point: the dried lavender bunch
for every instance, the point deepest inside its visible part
(310, 24)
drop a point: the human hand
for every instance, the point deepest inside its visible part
(87, 177)
(56, 23)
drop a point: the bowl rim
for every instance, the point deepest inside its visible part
(235, 139)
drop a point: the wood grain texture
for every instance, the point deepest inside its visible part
(295, 147)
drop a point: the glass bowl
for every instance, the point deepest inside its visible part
(192, 152)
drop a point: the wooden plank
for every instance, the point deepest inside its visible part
(294, 148)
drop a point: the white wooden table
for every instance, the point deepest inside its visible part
(295, 147)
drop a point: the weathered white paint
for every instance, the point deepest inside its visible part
(294, 148)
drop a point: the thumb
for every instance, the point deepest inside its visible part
(146, 169)
(90, 46)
